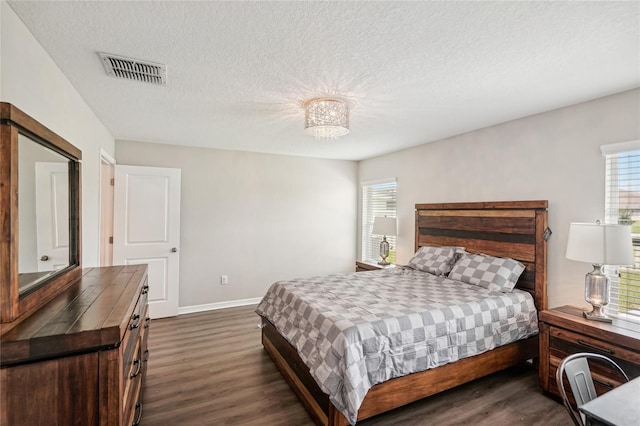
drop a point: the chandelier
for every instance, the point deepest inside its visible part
(326, 118)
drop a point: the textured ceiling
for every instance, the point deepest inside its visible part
(414, 72)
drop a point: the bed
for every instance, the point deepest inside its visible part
(515, 229)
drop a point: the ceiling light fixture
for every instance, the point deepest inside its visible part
(326, 118)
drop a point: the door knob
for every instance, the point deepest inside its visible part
(174, 250)
(44, 258)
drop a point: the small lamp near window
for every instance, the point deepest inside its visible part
(384, 226)
(599, 244)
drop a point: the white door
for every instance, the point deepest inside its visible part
(52, 215)
(146, 229)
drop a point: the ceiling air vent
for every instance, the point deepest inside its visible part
(134, 69)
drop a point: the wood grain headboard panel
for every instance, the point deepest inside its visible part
(515, 229)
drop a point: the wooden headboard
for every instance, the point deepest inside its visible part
(515, 229)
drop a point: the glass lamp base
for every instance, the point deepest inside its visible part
(596, 316)
(596, 293)
(384, 251)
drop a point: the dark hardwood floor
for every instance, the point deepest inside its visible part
(209, 369)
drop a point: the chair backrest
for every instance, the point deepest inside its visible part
(578, 374)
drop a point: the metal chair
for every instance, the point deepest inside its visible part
(578, 374)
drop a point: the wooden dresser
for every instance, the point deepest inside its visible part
(564, 331)
(80, 359)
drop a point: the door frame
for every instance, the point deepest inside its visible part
(105, 206)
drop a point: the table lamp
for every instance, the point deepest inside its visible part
(384, 226)
(599, 244)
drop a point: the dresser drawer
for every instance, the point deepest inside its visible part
(134, 354)
(134, 403)
(563, 343)
(133, 387)
(137, 369)
(132, 335)
(144, 334)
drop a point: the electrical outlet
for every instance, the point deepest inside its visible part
(224, 279)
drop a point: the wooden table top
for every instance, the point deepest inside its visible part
(92, 313)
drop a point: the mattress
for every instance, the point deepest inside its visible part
(359, 329)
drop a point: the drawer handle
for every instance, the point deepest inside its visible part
(138, 364)
(147, 322)
(146, 356)
(590, 346)
(136, 421)
(606, 384)
(145, 289)
(136, 322)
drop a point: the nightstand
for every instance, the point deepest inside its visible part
(362, 266)
(564, 331)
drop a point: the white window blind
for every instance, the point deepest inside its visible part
(378, 199)
(622, 205)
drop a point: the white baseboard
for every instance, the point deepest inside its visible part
(220, 305)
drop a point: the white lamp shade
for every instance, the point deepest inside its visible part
(384, 226)
(600, 244)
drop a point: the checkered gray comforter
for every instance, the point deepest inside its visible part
(359, 329)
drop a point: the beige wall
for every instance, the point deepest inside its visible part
(554, 156)
(30, 80)
(257, 218)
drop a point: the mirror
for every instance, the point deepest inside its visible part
(43, 213)
(40, 213)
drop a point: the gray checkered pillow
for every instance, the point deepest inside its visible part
(434, 260)
(493, 273)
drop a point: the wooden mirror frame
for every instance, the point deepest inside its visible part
(14, 307)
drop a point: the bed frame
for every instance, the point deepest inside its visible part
(516, 229)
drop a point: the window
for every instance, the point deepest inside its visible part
(378, 199)
(622, 205)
